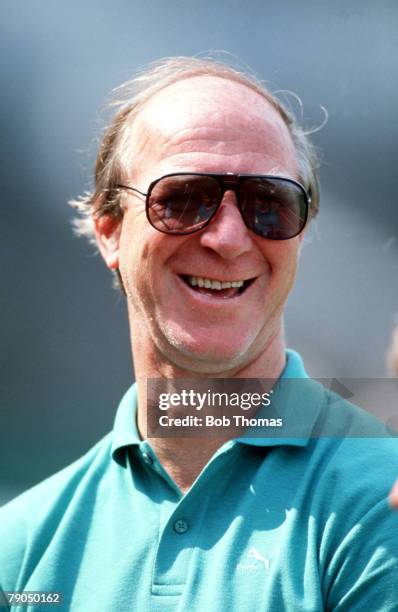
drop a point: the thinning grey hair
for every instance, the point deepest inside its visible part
(115, 161)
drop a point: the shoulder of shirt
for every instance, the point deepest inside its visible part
(42, 506)
(346, 489)
(356, 454)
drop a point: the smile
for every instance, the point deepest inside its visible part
(217, 287)
(213, 284)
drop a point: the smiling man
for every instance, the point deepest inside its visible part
(204, 188)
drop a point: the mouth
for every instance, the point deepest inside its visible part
(217, 288)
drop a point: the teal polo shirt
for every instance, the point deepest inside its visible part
(295, 523)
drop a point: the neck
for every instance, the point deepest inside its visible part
(173, 452)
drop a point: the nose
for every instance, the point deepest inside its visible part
(227, 233)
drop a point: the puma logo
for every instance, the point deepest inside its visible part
(254, 554)
(254, 568)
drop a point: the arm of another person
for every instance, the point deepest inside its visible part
(394, 496)
(392, 362)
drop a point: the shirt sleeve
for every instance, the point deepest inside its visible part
(363, 572)
(4, 605)
(13, 536)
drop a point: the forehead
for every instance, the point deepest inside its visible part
(210, 116)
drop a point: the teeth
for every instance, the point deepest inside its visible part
(207, 283)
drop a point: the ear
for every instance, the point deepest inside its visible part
(107, 231)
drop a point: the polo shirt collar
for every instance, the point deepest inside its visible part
(301, 406)
(125, 431)
(297, 400)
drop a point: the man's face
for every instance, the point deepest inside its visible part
(206, 124)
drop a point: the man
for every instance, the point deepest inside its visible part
(203, 188)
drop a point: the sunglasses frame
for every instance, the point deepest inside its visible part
(227, 182)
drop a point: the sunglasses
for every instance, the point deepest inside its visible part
(183, 203)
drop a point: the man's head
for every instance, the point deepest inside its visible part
(199, 117)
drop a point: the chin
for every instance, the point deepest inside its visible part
(205, 353)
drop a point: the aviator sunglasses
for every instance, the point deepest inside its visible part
(183, 203)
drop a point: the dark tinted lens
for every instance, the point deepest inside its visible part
(182, 204)
(274, 208)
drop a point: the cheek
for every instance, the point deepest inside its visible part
(283, 257)
(134, 241)
(133, 256)
(141, 256)
(283, 267)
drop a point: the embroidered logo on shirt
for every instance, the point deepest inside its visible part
(255, 567)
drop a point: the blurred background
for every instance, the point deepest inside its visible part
(64, 346)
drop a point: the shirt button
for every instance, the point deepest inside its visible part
(147, 458)
(181, 526)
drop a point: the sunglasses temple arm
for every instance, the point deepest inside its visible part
(132, 189)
